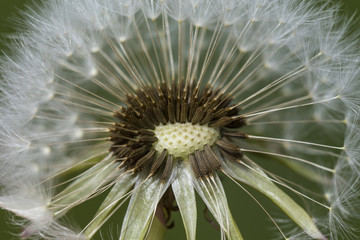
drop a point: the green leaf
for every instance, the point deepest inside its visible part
(185, 197)
(257, 179)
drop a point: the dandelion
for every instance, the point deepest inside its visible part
(157, 101)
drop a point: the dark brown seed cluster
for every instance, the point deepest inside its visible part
(133, 135)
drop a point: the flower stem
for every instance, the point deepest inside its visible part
(157, 230)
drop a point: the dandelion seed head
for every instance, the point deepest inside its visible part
(154, 100)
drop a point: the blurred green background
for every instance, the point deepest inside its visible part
(9, 12)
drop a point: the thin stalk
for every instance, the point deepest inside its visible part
(157, 230)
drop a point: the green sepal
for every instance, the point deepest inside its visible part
(87, 184)
(147, 194)
(185, 198)
(110, 204)
(258, 180)
(212, 192)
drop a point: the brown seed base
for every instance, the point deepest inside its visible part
(133, 135)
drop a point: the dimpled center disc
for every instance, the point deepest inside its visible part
(182, 139)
